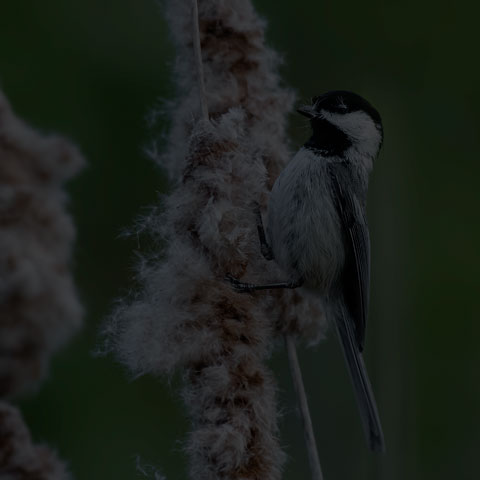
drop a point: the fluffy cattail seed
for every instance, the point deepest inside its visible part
(185, 314)
(39, 308)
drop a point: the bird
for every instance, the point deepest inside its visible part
(317, 229)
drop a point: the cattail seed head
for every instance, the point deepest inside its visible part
(39, 308)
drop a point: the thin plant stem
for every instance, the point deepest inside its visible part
(197, 51)
(304, 411)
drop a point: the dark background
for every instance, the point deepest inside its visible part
(93, 70)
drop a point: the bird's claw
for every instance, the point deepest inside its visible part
(237, 285)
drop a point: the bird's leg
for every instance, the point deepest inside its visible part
(268, 254)
(250, 287)
(264, 246)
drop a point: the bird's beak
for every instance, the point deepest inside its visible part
(306, 110)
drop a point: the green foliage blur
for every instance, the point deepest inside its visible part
(94, 70)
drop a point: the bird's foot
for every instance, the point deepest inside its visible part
(239, 286)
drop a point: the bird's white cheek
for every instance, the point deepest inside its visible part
(361, 130)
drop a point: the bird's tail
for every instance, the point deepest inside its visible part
(361, 385)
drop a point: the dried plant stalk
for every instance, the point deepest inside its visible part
(185, 314)
(198, 60)
(310, 442)
(39, 309)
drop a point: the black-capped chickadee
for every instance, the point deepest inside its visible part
(317, 230)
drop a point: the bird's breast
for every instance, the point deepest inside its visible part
(303, 225)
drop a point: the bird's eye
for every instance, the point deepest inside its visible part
(339, 109)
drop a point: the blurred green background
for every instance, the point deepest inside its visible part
(93, 70)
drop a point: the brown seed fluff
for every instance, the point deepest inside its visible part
(39, 309)
(185, 314)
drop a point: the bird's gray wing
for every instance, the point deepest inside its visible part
(356, 275)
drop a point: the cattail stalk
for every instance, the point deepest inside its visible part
(198, 60)
(310, 442)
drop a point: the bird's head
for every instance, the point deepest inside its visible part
(345, 124)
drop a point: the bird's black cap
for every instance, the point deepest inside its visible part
(340, 101)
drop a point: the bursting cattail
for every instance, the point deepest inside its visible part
(185, 314)
(39, 308)
(19, 457)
